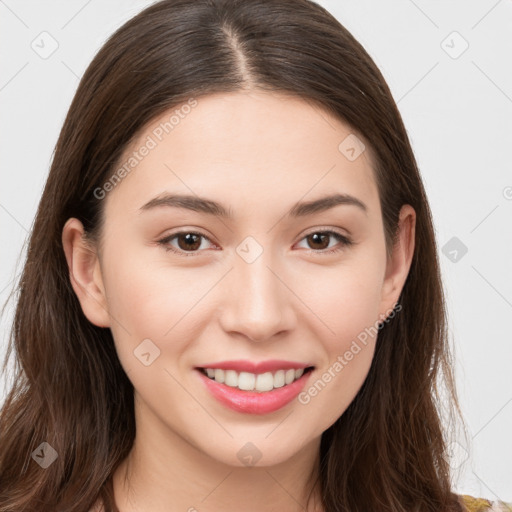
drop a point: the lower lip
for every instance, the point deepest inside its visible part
(252, 402)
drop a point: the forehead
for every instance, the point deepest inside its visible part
(246, 148)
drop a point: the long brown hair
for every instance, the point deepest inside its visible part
(388, 450)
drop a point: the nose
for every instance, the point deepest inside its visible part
(258, 301)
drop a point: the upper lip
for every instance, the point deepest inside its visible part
(244, 365)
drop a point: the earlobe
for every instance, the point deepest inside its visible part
(398, 266)
(85, 273)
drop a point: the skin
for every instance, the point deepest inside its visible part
(257, 153)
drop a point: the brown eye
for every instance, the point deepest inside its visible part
(188, 243)
(319, 241)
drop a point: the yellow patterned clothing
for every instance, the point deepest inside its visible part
(483, 505)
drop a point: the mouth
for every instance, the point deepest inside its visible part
(257, 382)
(254, 393)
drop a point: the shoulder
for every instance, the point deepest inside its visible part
(483, 505)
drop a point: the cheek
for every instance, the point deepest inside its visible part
(345, 300)
(148, 300)
(347, 304)
(335, 386)
(349, 351)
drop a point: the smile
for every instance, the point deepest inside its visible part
(246, 381)
(253, 393)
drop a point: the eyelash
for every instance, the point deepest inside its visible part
(343, 239)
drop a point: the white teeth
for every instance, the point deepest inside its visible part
(258, 382)
(231, 378)
(246, 381)
(265, 382)
(279, 379)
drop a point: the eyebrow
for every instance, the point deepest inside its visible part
(203, 205)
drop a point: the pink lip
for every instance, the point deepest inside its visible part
(243, 365)
(254, 402)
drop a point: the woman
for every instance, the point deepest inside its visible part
(232, 297)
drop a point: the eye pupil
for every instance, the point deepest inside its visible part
(189, 237)
(316, 240)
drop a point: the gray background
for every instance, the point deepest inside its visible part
(456, 103)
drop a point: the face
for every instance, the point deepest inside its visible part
(271, 271)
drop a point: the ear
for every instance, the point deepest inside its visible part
(85, 273)
(398, 265)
